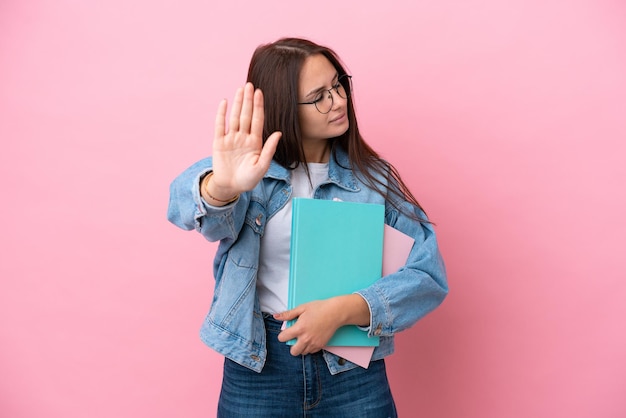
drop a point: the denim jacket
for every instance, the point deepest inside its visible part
(234, 325)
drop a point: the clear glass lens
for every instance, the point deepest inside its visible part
(325, 103)
(345, 81)
(343, 88)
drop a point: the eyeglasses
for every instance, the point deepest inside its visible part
(324, 100)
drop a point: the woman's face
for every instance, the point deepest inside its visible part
(317, 77)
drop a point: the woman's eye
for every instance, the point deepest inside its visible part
(318, 98)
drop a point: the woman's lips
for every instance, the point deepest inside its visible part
(339, 118)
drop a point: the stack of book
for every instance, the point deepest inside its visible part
(338, 248)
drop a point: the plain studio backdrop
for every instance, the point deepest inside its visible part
(507, 120)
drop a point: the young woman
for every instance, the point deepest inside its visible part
(292, 132)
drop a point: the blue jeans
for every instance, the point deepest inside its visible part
(302, 386)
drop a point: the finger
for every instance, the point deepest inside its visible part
(220, 119)
(236, 110)
(286, 335)
(269, 149)
(245, 117)
(258, 115)
(288, 315)
(300, 348)
(296, 351)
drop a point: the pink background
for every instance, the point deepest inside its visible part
(507, 119)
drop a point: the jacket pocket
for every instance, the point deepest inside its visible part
(233, 297)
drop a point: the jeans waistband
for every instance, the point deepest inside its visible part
(271, 323)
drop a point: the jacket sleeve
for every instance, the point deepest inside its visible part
(397, 301)
(188, 210)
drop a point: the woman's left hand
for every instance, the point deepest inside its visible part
(317, 321)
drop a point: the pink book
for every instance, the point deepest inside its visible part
(396, 249)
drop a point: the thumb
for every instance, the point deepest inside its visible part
(269, 148)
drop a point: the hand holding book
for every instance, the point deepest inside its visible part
(318, 320)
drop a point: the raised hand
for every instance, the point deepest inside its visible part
(240, 159)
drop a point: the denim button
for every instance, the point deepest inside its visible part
(341, 361)
(255, 358)
(378, 330)
(258, 219)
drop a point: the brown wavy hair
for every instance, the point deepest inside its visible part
(275, 69)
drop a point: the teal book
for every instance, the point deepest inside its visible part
(336, 249)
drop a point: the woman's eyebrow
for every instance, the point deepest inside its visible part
(319, 89)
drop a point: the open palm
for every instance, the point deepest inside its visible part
(240, 159)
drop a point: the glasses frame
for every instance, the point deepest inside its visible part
(343, 80)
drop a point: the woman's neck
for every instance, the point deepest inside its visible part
(317, 153)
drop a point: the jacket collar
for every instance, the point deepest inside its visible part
(339, 171)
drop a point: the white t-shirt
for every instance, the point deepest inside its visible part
(273, 275)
